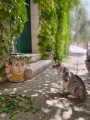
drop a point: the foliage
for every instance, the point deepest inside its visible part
(55, 23)
(2, 71)
(13, 15)
(13, 103)
(29, 60)
(80, 25)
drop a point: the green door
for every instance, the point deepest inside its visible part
(24, 41)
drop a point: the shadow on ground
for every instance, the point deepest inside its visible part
(45, 90)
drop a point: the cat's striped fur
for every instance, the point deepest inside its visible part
(71, 82)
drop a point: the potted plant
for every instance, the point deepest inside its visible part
(13, 15)
(15, 67)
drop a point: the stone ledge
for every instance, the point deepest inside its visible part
(34, 57)
(33, 69)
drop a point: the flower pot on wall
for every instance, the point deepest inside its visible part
(50, 55)
(15, 67)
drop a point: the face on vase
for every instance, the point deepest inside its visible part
(18, 67)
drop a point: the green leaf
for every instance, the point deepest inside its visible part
(10, 103)
(13, 117)
(34, 111)
(15, 0)
(8, 32)
(37, 108)
(1, 110)
(0, 32)
(5, 41)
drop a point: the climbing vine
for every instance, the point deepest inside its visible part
(13, 15)
(55, 26)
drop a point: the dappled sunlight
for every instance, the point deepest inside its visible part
(66, 104)
(35, 95)
(20, 87)
(45, 87)
(47, 95)
(46, 84)
(6, 90)
(54, 90)
(50, 103)
(48, 91)
(12, 92)
(47, 81)
(40, 91)
(81, 118)
(14, 89)
(88, 91)
(47, 75)
(55, 85)
(2, 115)
(46, 110)
(63, 109)
(45, 91)
(25, 91)
(81, 109)
(78, 108)
(67, 114)
(59, 103)
(57, 115)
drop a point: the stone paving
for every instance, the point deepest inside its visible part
(45, 90)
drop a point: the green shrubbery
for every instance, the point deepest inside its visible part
(13, 15)
(55, 23)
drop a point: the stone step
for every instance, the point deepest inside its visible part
(33, 69)
(34, 57)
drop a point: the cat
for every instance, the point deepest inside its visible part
(71, 82)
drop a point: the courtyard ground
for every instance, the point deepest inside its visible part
(45, 90)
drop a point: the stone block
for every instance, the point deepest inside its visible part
(36, 68)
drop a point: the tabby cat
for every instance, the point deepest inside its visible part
(71, 82)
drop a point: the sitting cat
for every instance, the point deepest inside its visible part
(73, 83)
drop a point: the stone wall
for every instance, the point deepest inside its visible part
(35, 27)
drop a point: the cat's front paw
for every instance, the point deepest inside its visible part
(71, 96)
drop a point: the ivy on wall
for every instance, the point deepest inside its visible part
(55, 26)
(13, 15)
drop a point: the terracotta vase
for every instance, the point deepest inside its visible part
(15, 67)
(50, 55)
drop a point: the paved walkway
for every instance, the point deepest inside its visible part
(45, 90)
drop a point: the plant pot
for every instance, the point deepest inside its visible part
(50, 55)
(15, 67)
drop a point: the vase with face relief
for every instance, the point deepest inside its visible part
(15, 67)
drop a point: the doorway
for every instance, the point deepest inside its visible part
(24, 41)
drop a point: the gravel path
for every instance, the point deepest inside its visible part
(45, 89)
